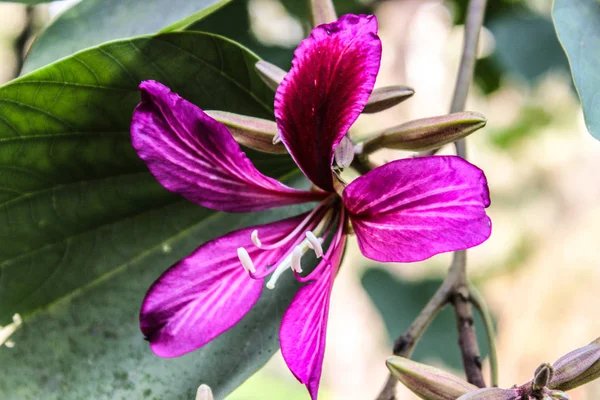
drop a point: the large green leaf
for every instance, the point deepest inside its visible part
(93, 22)
(577, 23)
(83, 219)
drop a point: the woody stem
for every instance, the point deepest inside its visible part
(455, 288)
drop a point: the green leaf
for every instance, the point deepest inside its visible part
(399, 303)
(82, 219)
(577, 23)
(93, 22)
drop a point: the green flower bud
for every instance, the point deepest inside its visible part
(271, 74)
(542, 376)
(427, 133)
(429, 383)
(576, 368)
(322, 12)
(387, 97)
(491, 394)
(255, 133)
(204, 393)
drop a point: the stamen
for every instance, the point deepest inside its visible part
(314, 243)
(296, 258)
(246, 260)
(9, 329)
(255, 239)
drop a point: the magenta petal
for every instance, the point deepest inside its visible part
(409, 210)
(304, 326)
(195, 156)
(332, 76)
(209, 291)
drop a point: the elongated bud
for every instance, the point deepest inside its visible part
(491, 394)
(427, 133)
(428, 382)
(344, 152)
(542, 376)
(256, 133)
(322, 12)
(576, 368)
(204, 393)
(387, 97)
(271, 74)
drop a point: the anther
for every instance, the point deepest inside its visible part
(315, 243)
(296, 258)
(255, 239)
(246, 260)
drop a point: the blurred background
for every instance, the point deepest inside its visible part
(540, 270)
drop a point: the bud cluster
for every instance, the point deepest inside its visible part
(549, 381)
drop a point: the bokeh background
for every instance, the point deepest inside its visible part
(540, 270)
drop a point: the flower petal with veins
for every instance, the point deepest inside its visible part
(197, 157)
(209, 291)
(329, 84)
(411, 209)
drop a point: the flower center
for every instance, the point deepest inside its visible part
(316, 226)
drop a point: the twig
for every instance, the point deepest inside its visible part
(21, 40)
(455, 286)
(479, 303)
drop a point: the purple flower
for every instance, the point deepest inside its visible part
(404, 211)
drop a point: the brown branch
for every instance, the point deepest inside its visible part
(455, 288)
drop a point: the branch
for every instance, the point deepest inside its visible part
(460, 299)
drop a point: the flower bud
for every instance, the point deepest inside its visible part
(271, 74)
(491, 394)
(576, 368)
(387, 97)
(427, 133)
(7, 331)
(344, 152)
(322, 12)
(428, 382)
(542, 376)
(255, 133)
(204, 393)
(558, 395)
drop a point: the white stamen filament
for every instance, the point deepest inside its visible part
(296, 259)
(285, 264)
(255, 239)
(246, 260)
(314, 243)
(9, 329)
